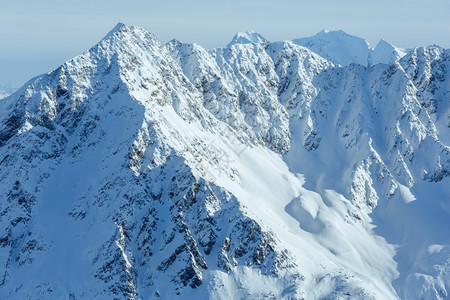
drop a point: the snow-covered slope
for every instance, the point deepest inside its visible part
(261, 170)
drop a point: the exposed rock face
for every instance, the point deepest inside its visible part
(142, 170)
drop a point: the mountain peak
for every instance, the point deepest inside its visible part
(247, 37)
(383, 44)
(333, 32)
(119, 26)
(385, 53)
(337, 46)
(126, 39)
(122, 31)
(344, 49)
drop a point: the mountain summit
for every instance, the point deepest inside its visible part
(143, 170)
(247, 37)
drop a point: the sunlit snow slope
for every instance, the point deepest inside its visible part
(286, 170)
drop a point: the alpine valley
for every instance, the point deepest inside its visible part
(317, 168)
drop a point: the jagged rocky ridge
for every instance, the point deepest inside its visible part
(260, 170)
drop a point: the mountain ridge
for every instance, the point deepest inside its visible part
(199, 172)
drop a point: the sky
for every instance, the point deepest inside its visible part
(38, 36)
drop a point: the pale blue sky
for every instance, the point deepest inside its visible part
(38, 36)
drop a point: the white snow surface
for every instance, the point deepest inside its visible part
(286, 170)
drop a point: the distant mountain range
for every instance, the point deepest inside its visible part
(5, 91)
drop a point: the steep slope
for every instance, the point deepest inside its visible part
(259, 170)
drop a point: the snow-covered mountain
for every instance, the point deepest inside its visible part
(344, 49)
(5, 91)
(247, 37)
(261, 170)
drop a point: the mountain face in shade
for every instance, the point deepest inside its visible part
(143, 170)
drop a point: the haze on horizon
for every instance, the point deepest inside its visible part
(39, 36)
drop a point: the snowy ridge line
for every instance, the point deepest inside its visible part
(287, 170)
